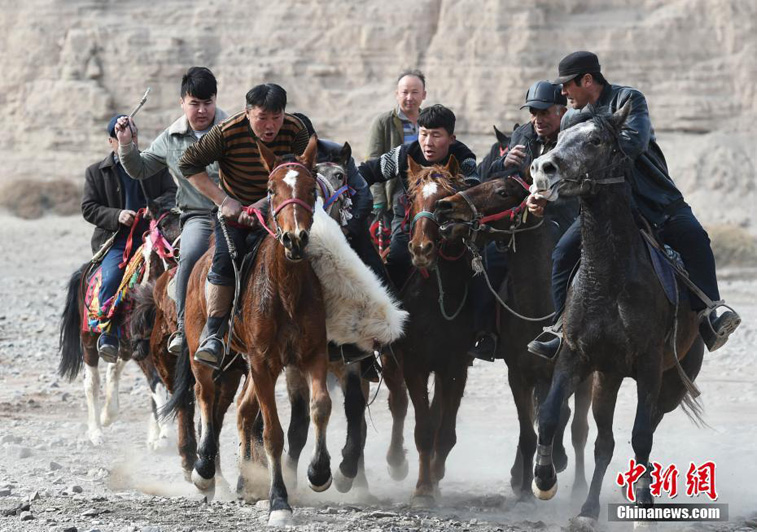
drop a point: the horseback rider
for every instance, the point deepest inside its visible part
(436, 143)
(111, 201)
(243, 182)
(198, 102)
(654, 194)
(546, 106)
(394, 128)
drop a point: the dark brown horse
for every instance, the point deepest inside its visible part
(496, 211)
(618, 320)
(78, 347)
(440, 329)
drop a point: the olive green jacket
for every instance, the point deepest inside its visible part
(386, 133)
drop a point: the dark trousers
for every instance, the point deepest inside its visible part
(244, 238)
(484, 302)
(681, 231)
(398, 260)
(195, 240)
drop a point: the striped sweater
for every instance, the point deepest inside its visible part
(234, 145)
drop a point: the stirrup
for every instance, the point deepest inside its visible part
(548, 334)
(175, 342)
(206, 356)
(713, 339)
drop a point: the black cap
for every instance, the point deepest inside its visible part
(576, 63)
(112, 125)
(543, 95)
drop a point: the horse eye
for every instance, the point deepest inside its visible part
(502, 192)
(596, 141)
(339, 175)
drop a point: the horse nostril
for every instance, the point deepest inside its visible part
(548, 168)
(304, 237)
(286, 240)
(443, 206)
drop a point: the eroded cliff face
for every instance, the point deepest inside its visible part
(69, 65)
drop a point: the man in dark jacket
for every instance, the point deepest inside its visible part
(436, 142)
(654, 194)
(546, 107)
(111, 201)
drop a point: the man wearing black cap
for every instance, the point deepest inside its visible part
(546, 106)
(111, 200)
(654, 194)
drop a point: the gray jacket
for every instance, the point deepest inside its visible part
(165, 152)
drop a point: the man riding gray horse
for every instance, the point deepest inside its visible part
(655, 196)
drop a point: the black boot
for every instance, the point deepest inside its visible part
(211, 348)
(370, 369)
(107, 348)
(485, 346)
(715, 329)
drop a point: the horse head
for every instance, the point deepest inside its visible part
(428, 185)
(331, 175)
(291, 184)
(165, 229)
(584, 156)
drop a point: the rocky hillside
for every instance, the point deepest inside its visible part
(69, 65)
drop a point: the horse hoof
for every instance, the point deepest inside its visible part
(322, 487)
(423, 501)
(544, 495)
(280, 518)
(582, 524)
(160, 445)
(399, 472)
(96, 438)
(342, 483)
(202, 483)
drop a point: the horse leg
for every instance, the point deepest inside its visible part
(424, 436)
(319, 470)
(580, 433)
(299, 422)
(604, 396)
(280, 513)
(112, 378)
(354, 409)
(520, 473)
(249, 486)
(453, 386)
(203, 475)
(157, 438)
(648, 381)
(569, 372)
(395, 383)
(92, 393)
(226, 388)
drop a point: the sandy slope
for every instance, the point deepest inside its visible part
(126, 487)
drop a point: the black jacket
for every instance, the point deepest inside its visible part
(103, 198)
(654, 193)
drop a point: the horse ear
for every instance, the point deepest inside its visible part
(345, 155)
(269, 158)
(153, 209)
(452, 166)
(619, 117)
(413, 168)
(309, 155)
(501, 137)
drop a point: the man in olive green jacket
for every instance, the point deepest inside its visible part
(396, 127)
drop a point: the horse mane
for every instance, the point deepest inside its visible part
(600, 115)
(429, 174)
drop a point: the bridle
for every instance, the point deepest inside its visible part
(276, 232)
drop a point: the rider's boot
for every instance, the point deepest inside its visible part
(211, 349)
(176, 340)
(107, 347)
(485, 346)
(715, 329)
(548, 343)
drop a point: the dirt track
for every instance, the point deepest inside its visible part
(48, 463)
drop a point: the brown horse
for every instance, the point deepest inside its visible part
(440, 329)
(78, 347)
(496, 211)
(282, 322)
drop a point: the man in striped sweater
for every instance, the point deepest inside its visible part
(243, 181)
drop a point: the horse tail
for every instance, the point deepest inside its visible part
(694, 410)
(183, 395)
(142, 318)
(71, 352)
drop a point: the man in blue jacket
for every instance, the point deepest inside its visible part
(654, 194)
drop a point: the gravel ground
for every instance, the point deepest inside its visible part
(52, 478)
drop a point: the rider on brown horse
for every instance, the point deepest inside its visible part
(243, 182)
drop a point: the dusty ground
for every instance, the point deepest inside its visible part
(48, 464)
